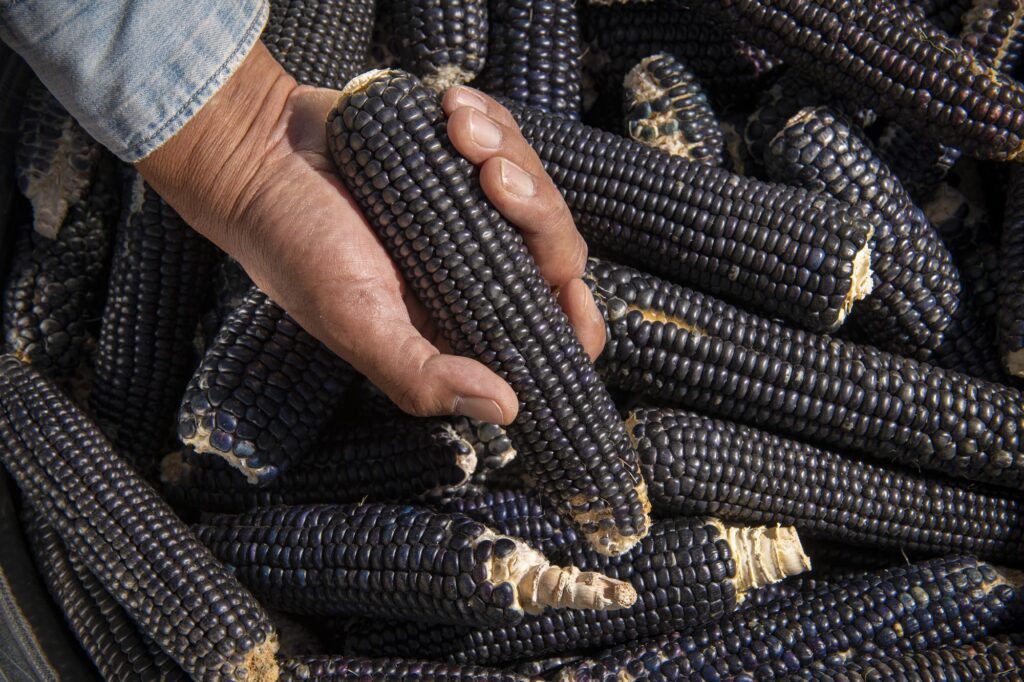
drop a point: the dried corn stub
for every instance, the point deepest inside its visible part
(779, 249)
(263, 393)
(534, 54)
(55, 159)
(379, 461)
(322, 43)
(398, 561)
(892, 60)
(111, 520)
(686, 573)
(444, 42)
(943, 601)
(622, 35)
(158, 289)
(667, 109)
(344, 668)
(517, 513)
(918, 306)
(989, 658)
(101, 626)
(681, 346)
(52, 290)
(696, 465)
(473, 272)
(1011, 278)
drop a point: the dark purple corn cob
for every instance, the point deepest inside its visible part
(666, 108)
(264, 392)
(55, 159)
(918, 306)
(994, 29)
(110, 638)
(990, 659)
(940, 602)
(696, 465)
(473, 272)
(517, 513)
(893, 60)
(322, 43)
(351, 669)
(54, 288)
(1010, 288)
(397, 562)
(681, 346)
(620, 35)
(444, 42)
(686, 573)
(398, 459)
(159, 287)
(534, 54)
(171, 586)
(778, 249)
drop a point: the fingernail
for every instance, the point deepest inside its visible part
(484, 131)
(516, 180)
(482, 409)
(464, 97)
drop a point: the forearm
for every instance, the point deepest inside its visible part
(211, 170)
(132, 72)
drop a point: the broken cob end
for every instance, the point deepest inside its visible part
(1014, 362)
(606, 539)
(862, 282)
(763, 555)
(447, 76)
(260, 664)
(175, 469)
(363, 81)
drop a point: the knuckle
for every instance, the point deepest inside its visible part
(417, 400)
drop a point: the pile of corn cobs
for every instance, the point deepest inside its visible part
(800, 455)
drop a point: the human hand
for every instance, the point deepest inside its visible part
(251, 171)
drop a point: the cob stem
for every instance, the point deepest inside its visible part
(540, 585)
(763, 554)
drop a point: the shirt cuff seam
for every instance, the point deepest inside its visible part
(202, 94)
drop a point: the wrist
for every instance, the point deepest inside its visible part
(211, 169)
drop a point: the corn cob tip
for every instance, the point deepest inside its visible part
(175, 468)
(260, 664)
(446, 77)
(539, 585)
(465, 460)
(607, 539)
(364, 80)
(763, 555)
(199, 441)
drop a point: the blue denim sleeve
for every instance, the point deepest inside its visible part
(132, 72)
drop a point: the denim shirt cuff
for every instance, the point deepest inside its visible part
(133, 72)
